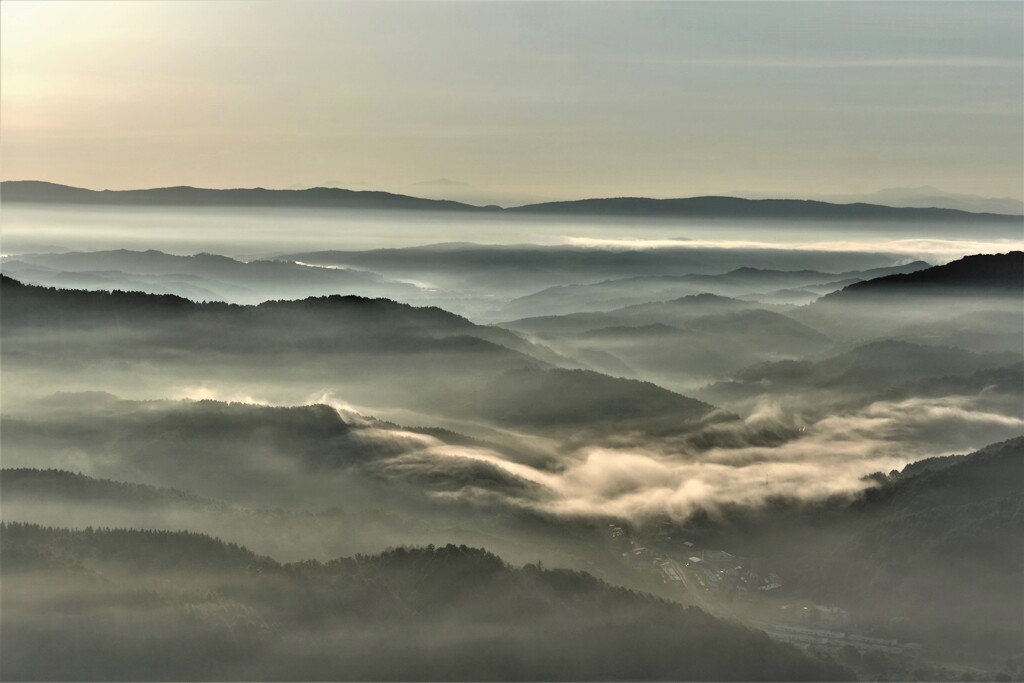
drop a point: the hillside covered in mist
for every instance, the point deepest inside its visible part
(450, 612)
(512, 341)
(695, 474)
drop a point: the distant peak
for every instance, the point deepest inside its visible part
(704, 298)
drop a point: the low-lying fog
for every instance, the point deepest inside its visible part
(624, 398)
(259, 233)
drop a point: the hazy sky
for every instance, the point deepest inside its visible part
(516, 101)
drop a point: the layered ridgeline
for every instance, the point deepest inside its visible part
(292, 482)
(878, 369)
(200, 277)
(506, 271)
(484, 285)
(973, 303)
(38, 192)
(756, 284)
(370, 351)
(694, 338)
(190, 607)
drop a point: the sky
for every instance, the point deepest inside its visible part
(509, 103)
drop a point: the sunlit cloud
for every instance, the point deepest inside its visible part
(830, 457)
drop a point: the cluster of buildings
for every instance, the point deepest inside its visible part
(708, 573)
(722, 572)
(698, 570)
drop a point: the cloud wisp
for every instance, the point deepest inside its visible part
(828, 457)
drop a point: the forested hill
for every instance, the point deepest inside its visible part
(983, 274)
(434, 613)
(905, 548)
(385, 353)
(973, 303)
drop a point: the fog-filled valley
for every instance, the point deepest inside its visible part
(512, 341)
(554, 445)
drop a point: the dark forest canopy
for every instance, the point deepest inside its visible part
(980, 274)
(935, 546)
(481, 371)
(973, 302)
(434, 613)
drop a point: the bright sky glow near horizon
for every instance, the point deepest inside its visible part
(517, 102)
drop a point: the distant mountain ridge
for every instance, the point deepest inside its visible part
(40, 192)
(735, 207)
(928, 196)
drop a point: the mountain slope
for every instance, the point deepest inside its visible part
(677, 343)
(931, 554)
(972, 302)
(201, 276)
(435, 613)
(398, 512)
(994, 274)
(748, 283)
(877, 366)
(677, 312)
(377, 351)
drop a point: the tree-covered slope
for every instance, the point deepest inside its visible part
(931, 554)
(377, 351)
(123, 604)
